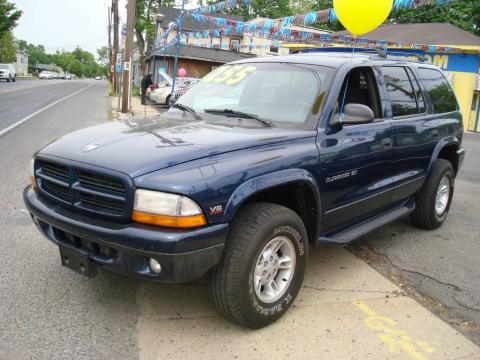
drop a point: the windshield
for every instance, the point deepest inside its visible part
(3, 66)
(285, 94)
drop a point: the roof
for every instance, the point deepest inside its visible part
(334, 59)
(428, 34)
(207, 54)
(189, 23)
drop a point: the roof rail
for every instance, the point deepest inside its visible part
(384, 55)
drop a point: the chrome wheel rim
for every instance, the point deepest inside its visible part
(274, 269)
(443, 195)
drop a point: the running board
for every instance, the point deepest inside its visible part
(347, 236)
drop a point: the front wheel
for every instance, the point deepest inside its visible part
(433, 202)
(263, 266)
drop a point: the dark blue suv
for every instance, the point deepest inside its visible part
(259, 161)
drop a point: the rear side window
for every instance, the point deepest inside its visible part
(400, 91)
(440, 92)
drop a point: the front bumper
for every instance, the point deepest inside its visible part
(185, 255)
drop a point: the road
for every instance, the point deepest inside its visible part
(49, 312)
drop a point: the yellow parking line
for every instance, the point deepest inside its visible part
(396, 340)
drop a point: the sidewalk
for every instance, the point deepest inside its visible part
(345, 310)
(137, 109)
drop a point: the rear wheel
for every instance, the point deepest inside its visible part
(263, 266)
(15, 78)
(433, 202)
(167, 101)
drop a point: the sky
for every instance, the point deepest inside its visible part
(64, 24)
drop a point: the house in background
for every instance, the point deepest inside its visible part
(21, 65)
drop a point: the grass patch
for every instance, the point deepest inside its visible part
(136, 90)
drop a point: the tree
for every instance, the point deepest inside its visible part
(145, 25)
(8, 50)
(9, 16)
(77, 68)
(464, 14)
(65, 61)
(102, 55)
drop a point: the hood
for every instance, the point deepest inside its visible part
(137, 149)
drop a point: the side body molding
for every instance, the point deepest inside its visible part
(265, 182)
(449, 140)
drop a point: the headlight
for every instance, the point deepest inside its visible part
(169, 210)
(32, 174)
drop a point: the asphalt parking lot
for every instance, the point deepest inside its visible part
(345, 310)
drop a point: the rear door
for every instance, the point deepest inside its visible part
(416, 128)
(356, 159)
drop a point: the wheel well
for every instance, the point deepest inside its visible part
(449, 153)
(298, 197)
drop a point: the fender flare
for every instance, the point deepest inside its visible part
(450, 140)
(268, 181)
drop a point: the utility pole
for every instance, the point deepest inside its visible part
(131, 7)
(110, 52)
(177, 49)
(115, 43)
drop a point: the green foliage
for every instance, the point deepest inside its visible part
(136, 90)
(9, 16)
(102, 54)
(79, 62)
(8, 50)
(464, 14)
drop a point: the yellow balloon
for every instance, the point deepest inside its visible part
(361, 16)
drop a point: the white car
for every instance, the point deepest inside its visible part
(7, 72)
(162, 94)
(46, 75)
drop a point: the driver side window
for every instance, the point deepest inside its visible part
(361, 88)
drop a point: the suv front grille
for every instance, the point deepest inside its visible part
(99, 194)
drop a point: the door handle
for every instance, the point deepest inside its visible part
(435, 134)
(387, 143)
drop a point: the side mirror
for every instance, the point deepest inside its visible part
(354, 114)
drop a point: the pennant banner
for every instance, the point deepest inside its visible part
(279, 36)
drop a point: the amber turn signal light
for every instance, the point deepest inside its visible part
(182, 222)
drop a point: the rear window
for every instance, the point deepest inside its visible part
(441, 94)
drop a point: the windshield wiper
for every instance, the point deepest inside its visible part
(188, 109)
(230, 113)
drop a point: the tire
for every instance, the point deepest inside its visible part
(8, 80)
(14, 78)
(167, 100)
(231, 284)
(426, 215)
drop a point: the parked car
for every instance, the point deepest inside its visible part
(98, 77)
(261, 160)
(162, 93)
(47, 75)
(8, 72)
(68, 77)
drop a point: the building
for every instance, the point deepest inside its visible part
(462, 68)
(205, 53)
(21, 65)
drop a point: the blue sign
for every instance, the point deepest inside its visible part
(119, 68)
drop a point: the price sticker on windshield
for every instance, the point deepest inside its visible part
(229, 75)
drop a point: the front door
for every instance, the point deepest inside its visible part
(356, 159)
